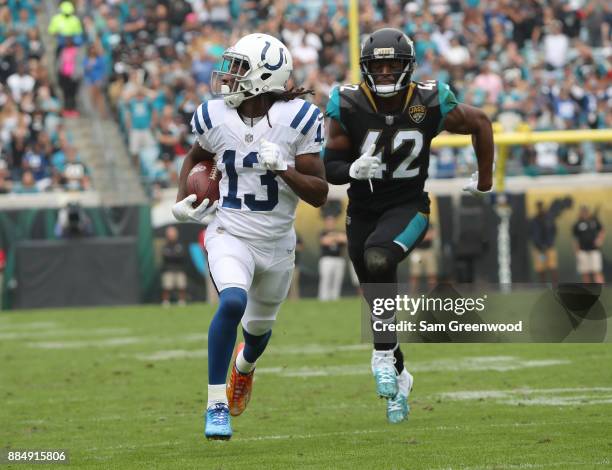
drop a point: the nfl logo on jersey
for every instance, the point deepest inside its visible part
(248, 138)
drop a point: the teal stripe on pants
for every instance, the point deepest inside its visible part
(412, 232)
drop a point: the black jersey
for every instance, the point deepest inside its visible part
(402, 140)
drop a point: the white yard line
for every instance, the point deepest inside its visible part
(536, 396)
(476, 363)
(307, 349)
(117, 341)
(62, 332)
(28, 326)
(311, 435)
(521, 466)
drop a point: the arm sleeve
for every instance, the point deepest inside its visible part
(337, 162)
(337, 165)
(311, 136)
(201, 126)
(448, 102)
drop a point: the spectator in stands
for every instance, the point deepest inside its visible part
(140, 119)
(75, 176)
(21, 82)
(543, 232)
(556, 46)
(23, 24)
(168, 136)
(36, 48)
(489, 81)
(332, 262)
(5, 178)
(588, 239)
(423, 262)
(36, 162)
(28, 183)
(173, 268)
(66, 25)
(95, 76)
(456, 55)
(68, 77)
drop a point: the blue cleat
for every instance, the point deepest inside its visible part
(383, 368)
(397, 407)
(218, 423)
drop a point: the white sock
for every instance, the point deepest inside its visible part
(244, 366)
(216, 394)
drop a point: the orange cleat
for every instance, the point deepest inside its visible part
(239, 387)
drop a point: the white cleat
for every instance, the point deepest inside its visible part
(383, 369)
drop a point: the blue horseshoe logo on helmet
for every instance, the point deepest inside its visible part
(280, 60)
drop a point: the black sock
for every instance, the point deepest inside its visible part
(399, 360)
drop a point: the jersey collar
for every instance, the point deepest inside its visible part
(366, 91)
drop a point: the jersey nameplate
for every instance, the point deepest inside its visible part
(383, 51)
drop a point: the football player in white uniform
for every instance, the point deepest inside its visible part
(266, 143)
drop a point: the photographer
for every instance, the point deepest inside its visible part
(73, 222)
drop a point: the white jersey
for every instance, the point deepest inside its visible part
(256, 203)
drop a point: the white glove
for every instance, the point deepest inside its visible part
(270, 156)
(365, 167)
(183, 211)
(472, 187)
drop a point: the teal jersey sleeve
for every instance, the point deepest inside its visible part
(447, 101)
(333, 106)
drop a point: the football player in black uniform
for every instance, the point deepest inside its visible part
(379, 135)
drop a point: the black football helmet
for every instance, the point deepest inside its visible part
(387, 44)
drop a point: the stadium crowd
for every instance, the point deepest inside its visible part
(546, 64)
(36, 151)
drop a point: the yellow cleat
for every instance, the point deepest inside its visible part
(239, 387)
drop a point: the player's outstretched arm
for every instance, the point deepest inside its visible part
(196, 155)
(465, 119)
(337, 154)
(307, 179)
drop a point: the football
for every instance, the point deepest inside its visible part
(203, 181)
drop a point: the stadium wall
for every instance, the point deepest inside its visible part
(22, 225)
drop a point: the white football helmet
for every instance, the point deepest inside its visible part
(257, 63)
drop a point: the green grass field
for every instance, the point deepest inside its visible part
(126, 388)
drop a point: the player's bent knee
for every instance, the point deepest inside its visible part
(379, 261)
(259, 317)
(258, 327)
(233, 301)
